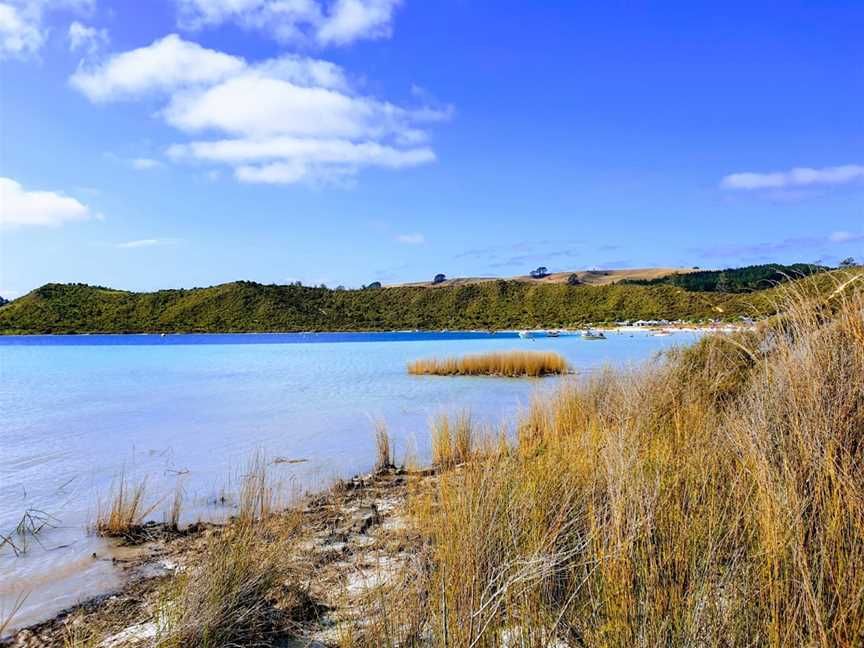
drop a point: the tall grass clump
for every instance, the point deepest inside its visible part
(126, 510)
(713, 498)
(383, 451)
(257, 490)
(241, 592)
(510, 364)
(453, 439)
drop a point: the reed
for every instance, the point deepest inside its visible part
(453, 439)
(7, 617)
(126, 511)
(714, 498)
(173, 521)
(383, 452)
(511, 364)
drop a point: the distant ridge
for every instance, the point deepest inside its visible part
(589, 277)
(245, 306)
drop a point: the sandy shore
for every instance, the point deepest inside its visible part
(353, 538)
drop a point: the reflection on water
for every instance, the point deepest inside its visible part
(79, 411)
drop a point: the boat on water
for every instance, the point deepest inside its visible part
(553, 333)
(661, 334)
(526, 335)
(593, 335)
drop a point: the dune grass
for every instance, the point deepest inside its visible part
(715, 498)
(510, 364)
(241, 592)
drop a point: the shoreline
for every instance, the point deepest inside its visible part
(567, 332)
(347, 532)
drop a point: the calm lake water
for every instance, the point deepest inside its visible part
(78, 411)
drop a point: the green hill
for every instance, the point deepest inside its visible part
(734, 280)
(247, 306)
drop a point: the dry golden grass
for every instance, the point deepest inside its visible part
(126, 511)
(383, 452)
(257, 490)
(511, 364)
(241, 591)
(714, 499)
(452, 439)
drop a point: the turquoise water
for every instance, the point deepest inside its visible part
(78, 411)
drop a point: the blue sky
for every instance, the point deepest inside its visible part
(176, 143)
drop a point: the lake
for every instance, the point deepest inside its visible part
(79, 411)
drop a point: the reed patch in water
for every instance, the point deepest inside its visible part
(510, 364)
(127, 509)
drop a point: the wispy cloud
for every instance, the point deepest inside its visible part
(411, 239)
(143, 243)
(145, 164)
(525, 253)
(22, 24)
(88, 40)
(846, 237)
(812, 246)
(339, 22)
(138, 163)
(794, 178)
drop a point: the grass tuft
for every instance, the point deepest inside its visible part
(241, 592)
(511, 364)
(453, 439)
(384, 453)
(126, 511)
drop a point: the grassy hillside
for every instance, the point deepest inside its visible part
(246, 306)
(592, 277)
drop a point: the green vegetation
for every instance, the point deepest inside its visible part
(247, 306)
(735, 280)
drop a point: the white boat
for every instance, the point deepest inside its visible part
(593, 335)
(553, 333)
(525, 335)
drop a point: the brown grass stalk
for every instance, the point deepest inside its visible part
(511, 364)
(126, 511)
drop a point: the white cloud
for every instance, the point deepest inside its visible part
(86, 39)
(283, 120)
(411, 239)
(144, 164)
(22, 32)
(350, 20)
(19, 35)
(324, 22)
(799, 177)
(145, 243)
(166, 65)
(19, 207)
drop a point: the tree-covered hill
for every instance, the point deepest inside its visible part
(735, 280)
(248, 306)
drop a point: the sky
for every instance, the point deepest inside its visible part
(177, 143)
